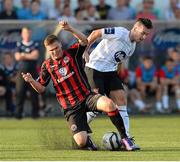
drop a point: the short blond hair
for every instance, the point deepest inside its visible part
(50, 39)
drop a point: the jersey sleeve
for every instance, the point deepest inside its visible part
(36, 45)
(44, 76)
(176, 72)
(156, 75)
(112, 33)
(76, 49)
(138, 72)
(18, 47)
(162, 74)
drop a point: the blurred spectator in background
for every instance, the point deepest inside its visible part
(10, 68)
(27, 55)
(103, 9)
(171, 12)
(67, 2)
(147, 10)
(170, 83)
(128, 4)
(24, 10)
(147, 81)
(130, 89)
(44, 6)
(8, 11)
(93, 15)
(3, 85)
(175, 55)
(81, 12)
(2, 81)
(1, 5)
(35, 12)
(56, 10)
(121, 11)
(177, 12)
(67, 14)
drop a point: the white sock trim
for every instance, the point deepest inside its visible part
(123, 108)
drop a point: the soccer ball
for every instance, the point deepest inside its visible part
(111, 141)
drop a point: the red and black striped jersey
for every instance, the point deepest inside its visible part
(68, 76)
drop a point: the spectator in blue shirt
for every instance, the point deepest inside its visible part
(35, 13)
(24, 10)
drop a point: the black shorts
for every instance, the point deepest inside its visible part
(104, 81)
(76, 116)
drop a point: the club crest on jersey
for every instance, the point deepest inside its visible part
(27, 50)
(66, 59)
(63, 71)
(119, 56)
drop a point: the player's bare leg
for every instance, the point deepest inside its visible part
(84, 141)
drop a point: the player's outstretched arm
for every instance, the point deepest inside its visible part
(80, 36)
(96, 34)
(36, 85)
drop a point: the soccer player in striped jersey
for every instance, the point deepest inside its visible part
(116, 46)
(65, 69)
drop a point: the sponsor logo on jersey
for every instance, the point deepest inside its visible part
(27, 50)
(63, 71)
(119, 56)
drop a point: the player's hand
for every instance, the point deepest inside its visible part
(86, 56)
(65, 25)
(27, 77)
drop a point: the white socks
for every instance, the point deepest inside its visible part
(140, 104)
(165, 101)
(125, 117)
(159, 106)
(178, 103)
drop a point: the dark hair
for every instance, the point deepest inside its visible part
(147, 58)
(36, 1)
(146, 22)
(26, 27)
(169, 60)
(50, 39)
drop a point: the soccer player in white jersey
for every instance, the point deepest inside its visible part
(116, 46)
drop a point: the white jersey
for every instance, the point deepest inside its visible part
(114, 48)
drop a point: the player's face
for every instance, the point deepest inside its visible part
(26, 34)
(55, 50)
(140, 32)
(148, 63)
(170, 65)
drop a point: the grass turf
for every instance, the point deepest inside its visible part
(49, 139)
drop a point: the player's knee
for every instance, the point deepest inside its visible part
(110, 106)
(81, 143)
(80, 139)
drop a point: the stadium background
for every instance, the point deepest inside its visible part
(48, 138)
(165, 35)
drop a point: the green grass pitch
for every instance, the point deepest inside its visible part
(49, 139)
